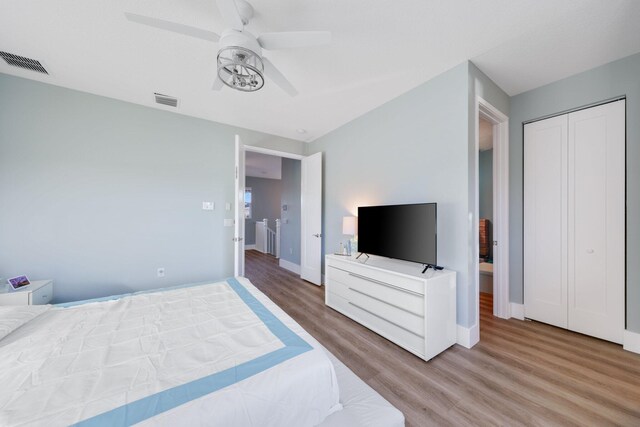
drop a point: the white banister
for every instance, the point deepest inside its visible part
(268, 240)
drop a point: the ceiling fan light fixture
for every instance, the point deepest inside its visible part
(240, 69)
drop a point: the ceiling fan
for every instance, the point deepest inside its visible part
(241, 65)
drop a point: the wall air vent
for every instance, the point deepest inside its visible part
(166, 100)
(22, 62)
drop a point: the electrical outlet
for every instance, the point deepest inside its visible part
(161, 272)
(208, 206)
(290, 251)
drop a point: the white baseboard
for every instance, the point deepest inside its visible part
(631, 341)
(468, 337)
(249, 247)
(517, 310)
(288, 265)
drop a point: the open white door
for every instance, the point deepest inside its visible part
(238, 237)
(311, 232)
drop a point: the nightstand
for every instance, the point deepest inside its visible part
(37, 293)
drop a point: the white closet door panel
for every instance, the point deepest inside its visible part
(545, 219)
(596, 180)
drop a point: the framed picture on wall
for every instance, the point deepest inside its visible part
(18, 282)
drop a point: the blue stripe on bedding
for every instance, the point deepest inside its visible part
(150, 406)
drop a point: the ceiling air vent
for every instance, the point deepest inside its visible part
(166, 100)
(22, 62)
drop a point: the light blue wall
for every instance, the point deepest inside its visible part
(617, 78)
(97, 193)
(486, 185)
(265, 194)
(290, 226)
(412, 149)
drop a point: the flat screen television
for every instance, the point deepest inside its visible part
(407, 232)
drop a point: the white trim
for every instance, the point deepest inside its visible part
(501, 305)
(517, 311)
(288, 265)
(249, 247)
(273, 152)
(631, 341)
(467, 337)
(238, 211)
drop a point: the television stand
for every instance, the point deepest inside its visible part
(362, 253)
(393, 299)
(428, 266)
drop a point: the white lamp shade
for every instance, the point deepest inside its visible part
(349, 225)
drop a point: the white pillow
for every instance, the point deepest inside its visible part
(14, 316)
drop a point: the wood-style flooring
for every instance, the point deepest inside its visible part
(520, 373)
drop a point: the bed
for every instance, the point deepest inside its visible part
(202, 354)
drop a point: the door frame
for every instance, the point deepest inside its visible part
(273, 152)
(270, 152)
(501, 304)
(238, 204)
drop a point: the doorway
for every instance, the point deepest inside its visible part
(485, 208)
(310, 208)
(491, 224)
(272, 209)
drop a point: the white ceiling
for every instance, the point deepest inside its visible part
(263, 165)
(380, 49)
(485, 135)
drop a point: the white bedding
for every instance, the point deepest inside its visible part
(216, 354)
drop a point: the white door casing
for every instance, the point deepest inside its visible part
(311, 227)
(545, 220)
(238, 237)
(501, 304)
(596, 185)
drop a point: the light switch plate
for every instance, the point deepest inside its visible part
(208, 206)
(227, 206)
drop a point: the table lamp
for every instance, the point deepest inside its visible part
(349, 225)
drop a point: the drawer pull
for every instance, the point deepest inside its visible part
(388, 285)
(387, 302)
(386, 320)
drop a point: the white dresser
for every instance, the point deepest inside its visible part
(392, 298)
(38, 292)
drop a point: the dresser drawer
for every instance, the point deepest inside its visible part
(42, 295)
(336, 286)
(400, 297)
(408, 284)
(393, 332)
(386, 311)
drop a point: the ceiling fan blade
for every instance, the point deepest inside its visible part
(217, 84)
(230, 14)
(291, 39)
(278, 78)
(173, 27)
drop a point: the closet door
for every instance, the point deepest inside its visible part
(596, 209)
(545, 220)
